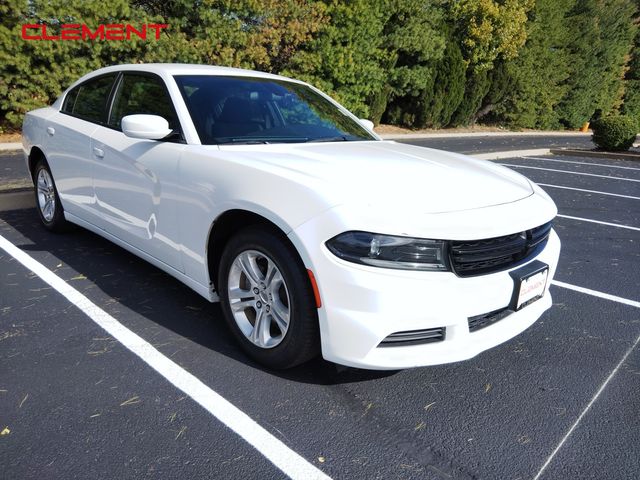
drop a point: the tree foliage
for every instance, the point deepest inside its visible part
(601, 34)
(539, 73)
(631, 101)
(523, 63)
(371, 52)
(490, 29)
(35, 72)
(254, 34)
(433, 105)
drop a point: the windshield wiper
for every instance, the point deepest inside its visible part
(339, 138)
(243, 141)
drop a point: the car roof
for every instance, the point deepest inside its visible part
(170, 69)
(187, 69)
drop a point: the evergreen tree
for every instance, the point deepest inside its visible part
(370, 52)
(600, 37)
(448, 88)
(631, 105)
(433, 106)
(487, 31)
(34, 73)
(539, 73)
(255, 34)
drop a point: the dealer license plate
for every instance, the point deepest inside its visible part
(530, 286)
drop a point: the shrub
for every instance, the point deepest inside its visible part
(615, 133)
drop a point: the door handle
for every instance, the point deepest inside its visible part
(51, 130)
(98, 152)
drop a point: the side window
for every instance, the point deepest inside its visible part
(142, 94)
(70, 100)
(89, 100)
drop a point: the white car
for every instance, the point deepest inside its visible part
(317, 236)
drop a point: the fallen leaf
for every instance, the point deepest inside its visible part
(131, 401)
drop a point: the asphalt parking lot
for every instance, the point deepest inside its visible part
(560, 401)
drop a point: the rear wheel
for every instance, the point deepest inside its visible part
(267, 299)
(47, 200)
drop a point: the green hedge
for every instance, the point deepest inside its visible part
(615, 133)
(521, 63)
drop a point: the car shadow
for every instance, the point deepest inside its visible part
(155, 295)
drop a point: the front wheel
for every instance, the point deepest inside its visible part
(267, 299)
(47, 200)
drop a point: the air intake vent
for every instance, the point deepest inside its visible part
(490, 255)
(414, 337)
(486, 319)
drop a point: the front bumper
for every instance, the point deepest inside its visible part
(363, 305)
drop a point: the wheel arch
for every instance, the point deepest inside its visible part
(35, 155)
(229, 222)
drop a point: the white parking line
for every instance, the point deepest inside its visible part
(617, 225)
(588, 407)
(606, 296)
(596, 293)
(291, 463)
(588, 191)
(571, 173)
(581, 163)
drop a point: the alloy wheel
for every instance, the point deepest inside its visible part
(259, 298)
(46, 195)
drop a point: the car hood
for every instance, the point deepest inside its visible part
(388, 175)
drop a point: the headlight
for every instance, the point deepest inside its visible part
(404, 253)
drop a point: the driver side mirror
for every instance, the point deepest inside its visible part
(149, 127)
(368, 124)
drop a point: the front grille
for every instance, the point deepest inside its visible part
(486, 319)
(478, 257)
(414, 337)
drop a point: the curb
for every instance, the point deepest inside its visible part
(596, 154)
(16, 189)
(399, 136)
(10, 146)
(16, 199)
(510, 154)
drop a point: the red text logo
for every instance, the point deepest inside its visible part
(76, 31)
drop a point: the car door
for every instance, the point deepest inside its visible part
(69, 144)
(135, 179)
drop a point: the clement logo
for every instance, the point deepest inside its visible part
(76, 31)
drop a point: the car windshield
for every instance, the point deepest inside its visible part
(246, 110)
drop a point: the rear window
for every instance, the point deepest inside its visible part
(89, 99)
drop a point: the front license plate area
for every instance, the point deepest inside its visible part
(530, 284)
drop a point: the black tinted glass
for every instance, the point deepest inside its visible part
(142, 94)
(260, 110)
(70, 100)
(89, 100)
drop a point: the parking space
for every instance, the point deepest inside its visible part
(558, 401)
(501, 143)
(70, 408)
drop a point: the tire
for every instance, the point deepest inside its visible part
(267, 299)
(47, 200)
